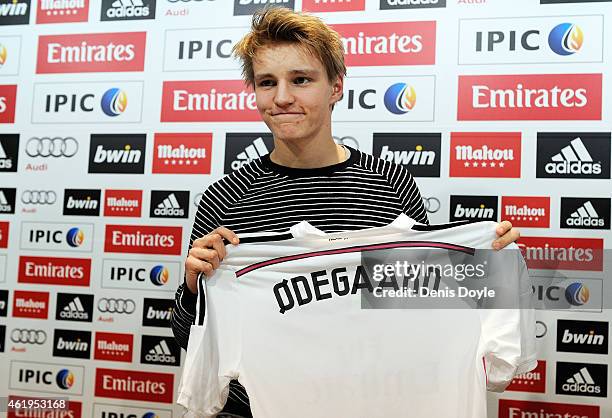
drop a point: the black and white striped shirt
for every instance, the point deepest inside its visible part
(361, 192)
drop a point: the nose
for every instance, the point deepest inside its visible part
(283, 95)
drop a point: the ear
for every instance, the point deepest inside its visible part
(337, 90)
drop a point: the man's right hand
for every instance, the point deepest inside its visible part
(206, 254)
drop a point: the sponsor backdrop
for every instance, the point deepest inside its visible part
(116, 114)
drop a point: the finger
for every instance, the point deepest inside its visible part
(219, 247)
(503, 227)
(228, 234)
(205, 254)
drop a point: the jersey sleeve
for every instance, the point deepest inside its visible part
(408, 193)
(508, 333)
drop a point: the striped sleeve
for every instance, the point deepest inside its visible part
(407, 190)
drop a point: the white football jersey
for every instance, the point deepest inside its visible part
(296, 319)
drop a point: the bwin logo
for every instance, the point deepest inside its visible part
(481, 212)
(87, 203)
(77, 345)
(416, 157)
(400, 98)
(125, 156)
(586, 339)
(114, 102)
(159, 275)
(566, 39)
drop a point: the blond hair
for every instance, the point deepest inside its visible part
(279, 24)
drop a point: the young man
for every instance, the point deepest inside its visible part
(295, 63)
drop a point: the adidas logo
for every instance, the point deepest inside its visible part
(586, 215)
(169, 207)
(252, 152)
(416, 157)
(74, 310)
(161, 354)
(127, 8)
(4, 203)
(5, 161)
(581, 382)
(573, 159)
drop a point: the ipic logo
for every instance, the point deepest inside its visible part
(473, 208)
(419, 152)
(169, 204)
(573, 155)
(160, 350)
(73, 344)
(127, 10)
(243, 148)
(117, 153)
(53, 11)
(44, 377)
(9, 152)
(90, 102)
(128, 274)
(585, 213)
(10, 54)
(157, 312)
(7, 200)
(126, 203)
(566, 39)
(14, 12)
(82, 202)
(123, 411)
(410, 4)
(568, 294)
(582, 379)
(248, 7)
(74, 307)
(582, 336)
(3, 53)
(400, 98)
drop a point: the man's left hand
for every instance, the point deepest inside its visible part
(506, 234)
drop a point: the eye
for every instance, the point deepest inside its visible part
(301, 80)
(265, 83)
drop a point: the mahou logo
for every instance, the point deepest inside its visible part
(549, 253)
(53, 11)
(54, 270)
(530, 409)
(8, 96)
(527, 211)
(30, 304)
(485, 154)
(73, 409)
(333, 5)
(533, 381)
(134, 385)
(389, 43)
(92, 52)
(141, 239)
(208, 101)
(113, 347)
(127, 203)
(183, 153)
(530, 97)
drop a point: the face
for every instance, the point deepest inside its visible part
(294, 94)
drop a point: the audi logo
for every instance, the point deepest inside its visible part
(432, 204)
(52, 147)
(541, 329)
(28, 336)
(197, 198)
(38, 197)
(126, 306)
(347, 140)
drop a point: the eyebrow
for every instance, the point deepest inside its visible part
(292, 72)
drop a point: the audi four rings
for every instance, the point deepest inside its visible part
(38, 197)
(432, 204)
(28, 336)
(126, 306)
(52, 147)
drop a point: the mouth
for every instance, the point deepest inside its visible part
(287, 116)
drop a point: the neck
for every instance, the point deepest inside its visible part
(307, 154)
